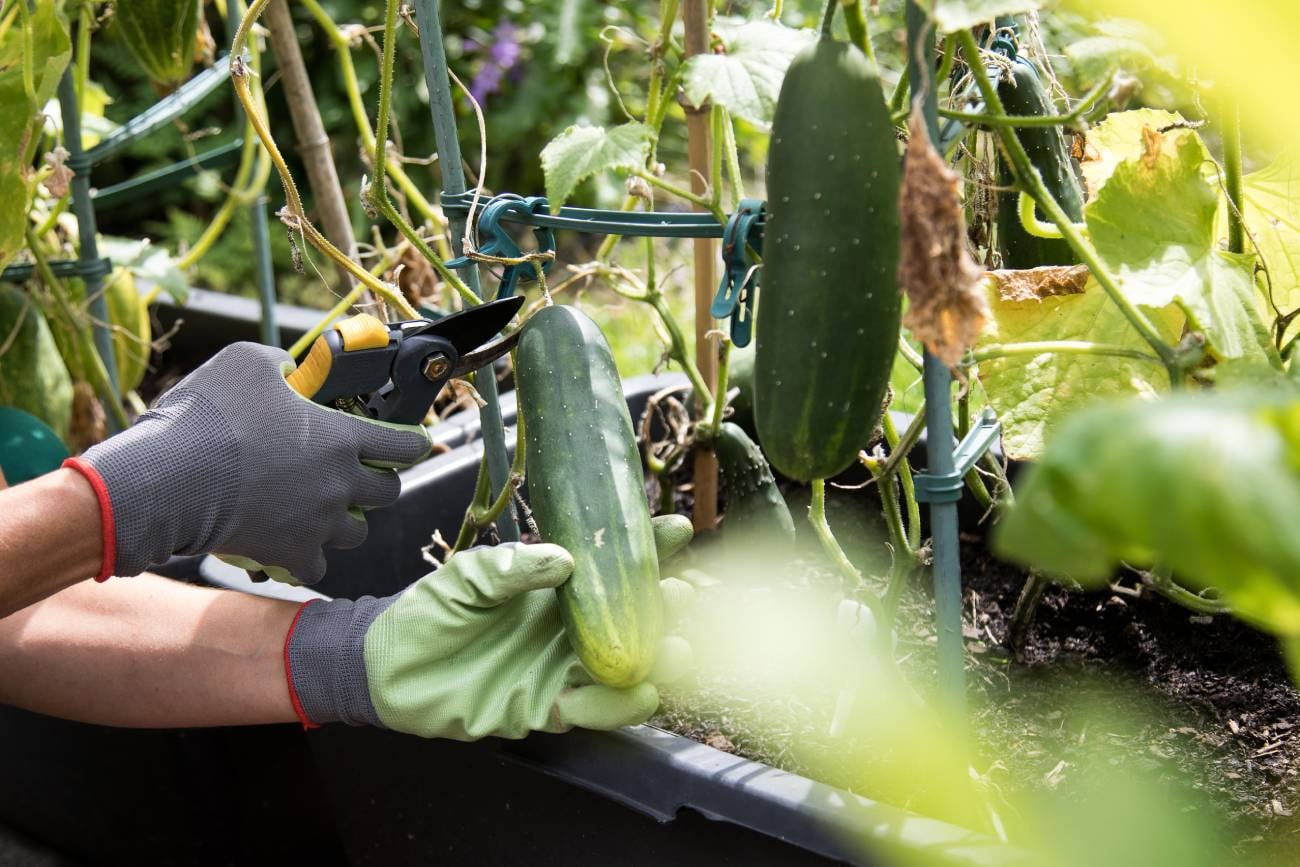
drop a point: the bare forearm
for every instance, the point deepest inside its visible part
(148, 652)
(50, 537)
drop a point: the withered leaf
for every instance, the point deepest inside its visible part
(946, 308)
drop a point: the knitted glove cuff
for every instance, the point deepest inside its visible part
(324, 660)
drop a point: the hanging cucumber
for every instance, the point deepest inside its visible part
(756, 511)
(828, 319)
(741, 378)
(1048, 151)
(587, 493)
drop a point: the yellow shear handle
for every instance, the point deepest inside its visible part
(362, 331)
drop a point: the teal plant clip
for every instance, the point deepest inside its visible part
(947, 488)
(496, 240)
(739, 286)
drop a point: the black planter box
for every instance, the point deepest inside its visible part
(339, 795)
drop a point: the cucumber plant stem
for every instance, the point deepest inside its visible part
(908, 483)
(817, 517)
(1032, 183)
(1232, 175)
(1081, 110)
(855, 19)
(378, 193)
(239, 77)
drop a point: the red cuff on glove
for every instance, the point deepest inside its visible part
(109, 546)
(288, 671)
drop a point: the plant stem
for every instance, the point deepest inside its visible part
(1022, 617)
(733, 161)
(302, 343)
(855, 19)
(828, 18)
(378, 193)
(1032, 183)
(677, 347)
(682, 193)
(481, 513)
(817, 517)
(719, 403)
(1074, 347)
(898, 454)
(1232, 175)
(352, 88)
(293, 201)
(913, 539)
(1070, 118)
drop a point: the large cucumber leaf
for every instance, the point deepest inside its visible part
(1033, 393)
(746, 77)
(1153, 225)
(1207, 485)
(582, 151)
(1271, 210)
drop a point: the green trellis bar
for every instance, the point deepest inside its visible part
(453, 182)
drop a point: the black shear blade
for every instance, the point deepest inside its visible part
(475, 326)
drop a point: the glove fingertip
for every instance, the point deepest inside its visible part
(672, 533)
(605, 708)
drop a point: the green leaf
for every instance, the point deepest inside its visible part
(1153, 226)
(1120, 137)
(1034, 393)
(952, 15)
(1207, 485)
(746, 79)
(582, 151)
(33, 377)
(1272, 212)
(51, 50)
(149, 264)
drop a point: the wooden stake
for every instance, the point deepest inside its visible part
(695, 17)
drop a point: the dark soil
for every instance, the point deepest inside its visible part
(1193, 702)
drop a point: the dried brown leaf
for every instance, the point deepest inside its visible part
(1035, 284)
(89, 423)
(946, 307)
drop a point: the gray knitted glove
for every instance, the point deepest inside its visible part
(233, 460)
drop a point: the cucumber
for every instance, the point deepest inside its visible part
(587, 492)
(756, 511)
(33, 377)
(161, 35)
(1049, 153)
(828, 318)
(741, 378)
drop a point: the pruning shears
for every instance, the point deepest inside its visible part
(395, 370)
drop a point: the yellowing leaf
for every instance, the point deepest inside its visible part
(1272, 214)
(1153, 226)
(1033, 391)
(1120, 137)
(951, 15)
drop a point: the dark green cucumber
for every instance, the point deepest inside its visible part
(1050, 154)
(828, 317)
(756, 511)
(587, 492)
(741, 378)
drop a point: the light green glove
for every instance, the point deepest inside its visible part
(475, 649)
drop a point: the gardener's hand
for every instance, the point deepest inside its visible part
(472, 650)
(234, 460)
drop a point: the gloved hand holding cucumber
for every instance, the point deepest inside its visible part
(243, 458)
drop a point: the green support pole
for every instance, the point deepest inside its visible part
(269, 329)
(938, 421)
(453, 182)
(84, 209)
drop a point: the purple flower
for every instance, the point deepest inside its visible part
(502, 56)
